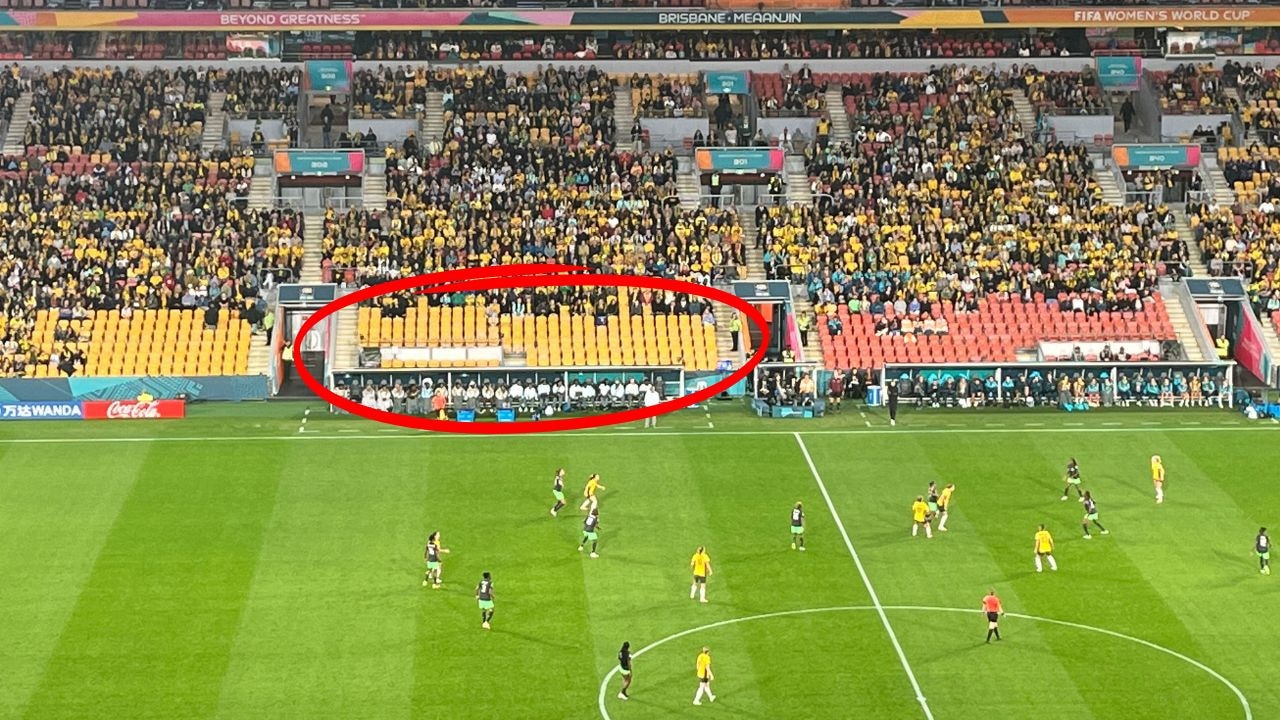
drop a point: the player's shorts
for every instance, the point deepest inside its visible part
(700, 579)
(559, 495)
(919, 520)
(590, 536)
(942, 507)
(1265, 555)
(797, 529)
(486, 604)
(933, 507)
(623, 671)
(703, 680)
(1044, 553)
(1091, 516)
(433, 564)
(1073, 481)
(993, 617)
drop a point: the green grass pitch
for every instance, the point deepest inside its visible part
(230, 566)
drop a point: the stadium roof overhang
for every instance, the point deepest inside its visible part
(627, 19)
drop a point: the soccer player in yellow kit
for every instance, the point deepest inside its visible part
(944, 504)
(701, 566)
(1157, 477)
(704, 677)
(589, 493)
(1044, 549)
(920, 516)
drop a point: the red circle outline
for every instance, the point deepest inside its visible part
(527, 275)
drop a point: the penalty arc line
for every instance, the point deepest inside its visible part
(1244, 702)
(866, 581)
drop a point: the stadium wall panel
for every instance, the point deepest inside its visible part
(211, 387)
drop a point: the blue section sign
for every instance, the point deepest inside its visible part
(1119, 72)
(734, 83)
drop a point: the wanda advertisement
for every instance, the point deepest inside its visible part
(134, 409)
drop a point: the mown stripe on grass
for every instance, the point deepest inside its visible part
(151, 632)
(56, 511)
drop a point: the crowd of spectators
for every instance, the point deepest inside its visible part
(1190, 89)
(1062, 93)
(668, 95)
(941, 200)
(387, 92)
(393, 46)
(527, 172)
(104, 235)
(147, 115)
(262, 93)
(1241, 242)
(790, 92)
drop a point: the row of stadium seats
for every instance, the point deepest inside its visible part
(151, 342)
(994, 333)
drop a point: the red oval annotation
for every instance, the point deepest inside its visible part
(523, 276)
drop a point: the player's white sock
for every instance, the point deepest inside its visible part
(1159, 494)
(702, 593)
(928, 531)
(697, 696)
(693, 591)
(1053, 564)
(915, 530)
(1039, 565)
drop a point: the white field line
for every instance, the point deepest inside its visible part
(1244, 702)
(866, 581)
(1036, 428)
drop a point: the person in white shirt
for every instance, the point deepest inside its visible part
(588, 395)
(515, 393)
(618, 394)
(544, 390)
(632, 392)
(651, 398)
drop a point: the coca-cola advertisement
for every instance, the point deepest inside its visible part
(134, 409)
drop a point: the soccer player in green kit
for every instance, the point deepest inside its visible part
(484, 595)
(1072, 480)
(1262, 545)
(590, 526)
(432, 554)
(797, 527)
(557, 489)
(1090, 515)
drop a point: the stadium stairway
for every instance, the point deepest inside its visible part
(1272, 335)
(214, 123)
(1112, 193)
(431, 125)
(1026, 113)
(801, 305)
(797, 179)
(313, 248)
(724, 341)
(688, 185)
(13, 145)
(755, 256)
(1185, 234)
(1181, 323)
(348, 350)
(841, 131)
(375, 184)
(259, 355)
(1223, 195)
(623, 114)
(262, 190)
